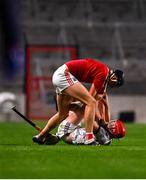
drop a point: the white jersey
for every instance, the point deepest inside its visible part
(76, 132)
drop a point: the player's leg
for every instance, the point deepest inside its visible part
(70, 124)
(69, 132)
(66, 126)
(75, 89)
(79, 92)
(63, 102)
(66, 83)
(76, 114)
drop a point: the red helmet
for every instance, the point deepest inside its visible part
(119, 131)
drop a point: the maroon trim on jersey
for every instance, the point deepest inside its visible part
(68, 78)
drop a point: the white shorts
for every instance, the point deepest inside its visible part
(76, 132)
(64, 128)
(62, 79)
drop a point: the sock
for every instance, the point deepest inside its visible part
(89, 136)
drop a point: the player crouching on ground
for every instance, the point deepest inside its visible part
(71, 131)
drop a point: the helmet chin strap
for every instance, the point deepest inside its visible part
(107, 80)
(111, 73)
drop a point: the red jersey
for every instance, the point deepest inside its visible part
(89, 71)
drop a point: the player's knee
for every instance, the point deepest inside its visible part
(92, 102)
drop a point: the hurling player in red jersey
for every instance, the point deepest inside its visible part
(67, 80)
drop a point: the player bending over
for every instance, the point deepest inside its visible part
(67, 80)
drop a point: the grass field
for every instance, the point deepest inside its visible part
(20, 158)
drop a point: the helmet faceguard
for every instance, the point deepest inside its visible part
(120, 77)
(119, 129)
(115, 78)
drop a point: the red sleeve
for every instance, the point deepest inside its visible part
(100, 81)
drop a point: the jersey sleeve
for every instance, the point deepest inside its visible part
(99, 86)
(100, 82)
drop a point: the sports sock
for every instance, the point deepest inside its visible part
(89, 138)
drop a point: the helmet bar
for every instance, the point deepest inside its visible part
(120, 77)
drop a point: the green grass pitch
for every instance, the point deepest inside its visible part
(20, 158)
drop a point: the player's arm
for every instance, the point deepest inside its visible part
(93, 92)
(102, 110)
(104, 107)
